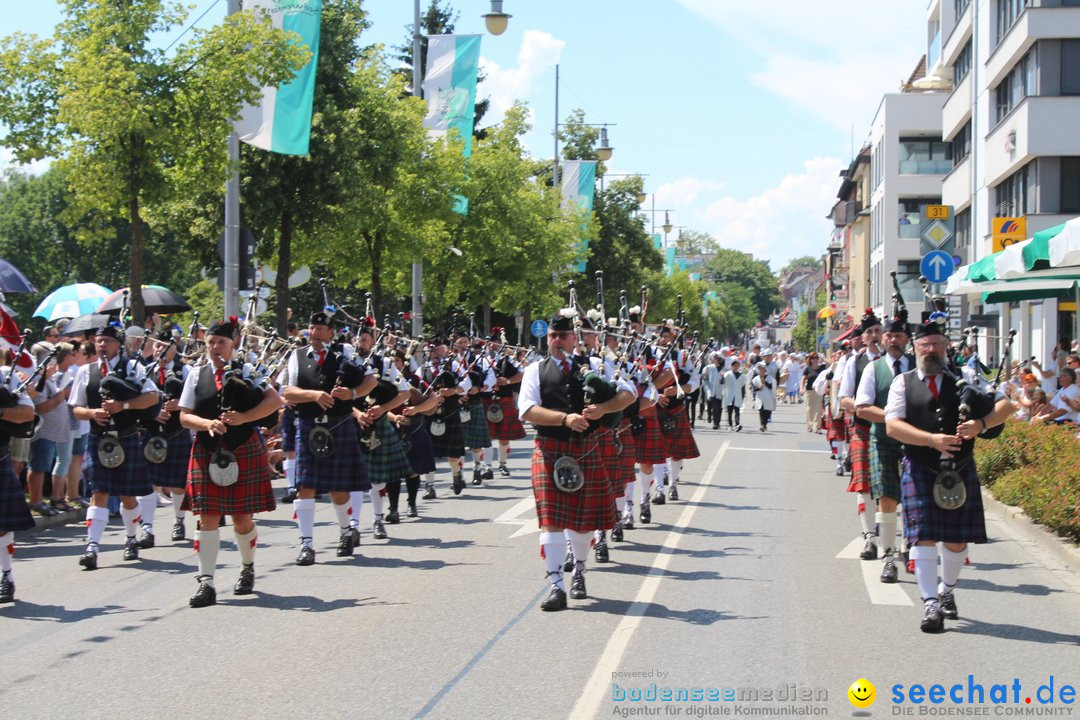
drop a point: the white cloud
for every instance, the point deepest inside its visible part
(539, 52)
(8, 164)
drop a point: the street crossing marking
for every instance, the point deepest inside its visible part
(510, 517)
(880, 593)
(597, 686)
(851, 552)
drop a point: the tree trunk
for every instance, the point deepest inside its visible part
(284, 269)
(375, 246)
(135, 262)
(485, 315)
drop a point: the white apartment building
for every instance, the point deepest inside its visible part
(1012, 120)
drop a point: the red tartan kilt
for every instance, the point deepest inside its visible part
(590, 508)
(836, 427)
(252, 492)
(860, 461)
(510, 428)
(628, 457)
(650, 446)
(680, 444)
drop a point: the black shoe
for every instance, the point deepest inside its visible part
(847, 463)
(477, 476)
(601, 552)
(628, 520)
(412, 511)
(933, 621)
(659, 499)
(245, 584)
(948, 606)
(556, 600)
(89, 560)
(429, 492)
(888, 569)
(646, 513)
(762, 428)
(392, 517)
(840, 472)
(131, 549)
(577, 585)
(288, 497)
(616, 532)
(7, 589)
(378, 530)
(738, 428)
(146, 541)
(487, 473)
(179, 532)
(503, 470)
(348, 541)
(307, 555)
(869, 551)
(458, 484)
(568, 564)
(205, 595)
(673, 493)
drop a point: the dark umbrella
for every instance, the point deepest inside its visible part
(157, 299)
(86, 323)
(12, 279)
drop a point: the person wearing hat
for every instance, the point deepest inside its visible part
(673, 400)
(321, 382)
(885, 453)
(712, 381)
(764, 384)
(859, 428)
(119, 419)
(507, 381)
(15, 514)
(923, 413)
(734, 392)
(474, 425)
(449, 380)
(217, 430)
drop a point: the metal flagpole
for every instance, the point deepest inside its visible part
(417, 267)
(231, 270)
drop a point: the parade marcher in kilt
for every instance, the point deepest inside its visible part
(828, 384)
(117, 421)
(288, 446)
(885, 453)
(475, 428)
(207, 409)
(680, 441)
(922, 412)
(14, 512)
(322, 383)
(450, 380)
(859, 429)
(553, 399)
(417, 443)
(169, 377)
(507, 381)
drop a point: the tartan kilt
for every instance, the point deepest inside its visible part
(649, 446)
(510, 427)
(924, 520)
(252, 492)
(859, 445)
(612, 453)
(174, 471)
(680, 444)
(389, 461)
(131, 479)
(343, 471)
(288, 430)
(885, 458)
(590, 508)
(476, 430)
(836, 428)
(419, 452)
(14, 512)
(628, 456)
(451, 444)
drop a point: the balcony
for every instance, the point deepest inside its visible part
(1037, 126)
(957, 108)
(1035, 23)
(956, 186)
(958, 36)
(925, 167)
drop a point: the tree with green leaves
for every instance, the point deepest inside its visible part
(732, 266)
(805, 261)
(622, 248)
(123, 118)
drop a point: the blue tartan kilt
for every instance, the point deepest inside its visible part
(14, 512)
(343, 471)
(389, 461)
(924, 520)
(174, 471)
(288, 430)
(477, 434)
(418, 447)
(451, 444)
(131, 479)
(885, 459)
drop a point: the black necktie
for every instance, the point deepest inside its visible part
(895, 367)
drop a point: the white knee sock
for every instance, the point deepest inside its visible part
(925, 557)
(674, 466)
(580, 543)
(7, 550)
(207, 544)
(951, 563)
(886, 523)
(96, 520)
(628, 491)
(553, 551)
(863, 501)
(356, 499)
(289, 466)
(305, 519)
(342, 511)
(147, 505)
(477, 455)
(620, 504)
(245, 543)
(504, 452)
(177, 503)
(644, 484)
(130, 519)
(658, 476)
(429, 478)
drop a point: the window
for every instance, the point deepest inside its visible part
(907, 276)
(1007, 13)
(963, 229)
(910, 214)
(1070, 66)
(961, 144)
(1021, 82)
(963, 63)
(933, 43)
(961, 6)
(1070, 184)
(924, 157)
(1018, 194)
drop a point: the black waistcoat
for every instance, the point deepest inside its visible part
(208, 405)
(563, 393)
(124, 422)
(939, 415)
(310, 376)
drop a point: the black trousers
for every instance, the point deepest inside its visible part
(736, 411)
(766, 416)
(716, 411)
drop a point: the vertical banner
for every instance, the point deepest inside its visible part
(578, 186)
(669, 260)
(453, 62)
(281, 122)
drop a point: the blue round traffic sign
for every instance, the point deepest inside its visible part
(937, 266)
(539, 328)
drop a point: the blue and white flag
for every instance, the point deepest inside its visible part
(578, 186)
(453, 62)
(281, 123)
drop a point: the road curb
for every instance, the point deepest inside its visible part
(1031, 531)
(64, 518)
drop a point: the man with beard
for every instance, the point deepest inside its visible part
(885, 453)
(923, 413)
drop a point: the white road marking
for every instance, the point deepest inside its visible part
(880, 593)
(510, 517)
(597, 686)
(776, 450)
(851, 552)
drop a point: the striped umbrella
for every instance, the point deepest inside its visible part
(72, 301)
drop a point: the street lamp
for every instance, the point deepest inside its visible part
(603, 150)
(603, 153)
(496, 20)
(667, 226)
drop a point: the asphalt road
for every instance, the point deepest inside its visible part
(750, 582)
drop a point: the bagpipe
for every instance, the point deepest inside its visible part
(9, 397)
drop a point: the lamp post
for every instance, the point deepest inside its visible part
(496, 22)
(603, 148)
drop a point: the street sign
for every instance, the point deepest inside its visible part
(938, 212)
(937, 228)
(937, 266)
(1008, 230)
(539, 328)
(987, 320)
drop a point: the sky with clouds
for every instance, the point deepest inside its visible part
(741, 114)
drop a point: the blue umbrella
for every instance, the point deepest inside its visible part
(72, 301)
(12, 279)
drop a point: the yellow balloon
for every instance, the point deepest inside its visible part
(862, 693)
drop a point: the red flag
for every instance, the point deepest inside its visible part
(11, 338)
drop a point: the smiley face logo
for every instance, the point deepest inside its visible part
(862, 693)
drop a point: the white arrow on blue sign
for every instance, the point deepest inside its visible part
(937, 266)
(539, 328)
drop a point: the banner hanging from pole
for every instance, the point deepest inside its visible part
(578, 186)
(453, 62)
(281, 122)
